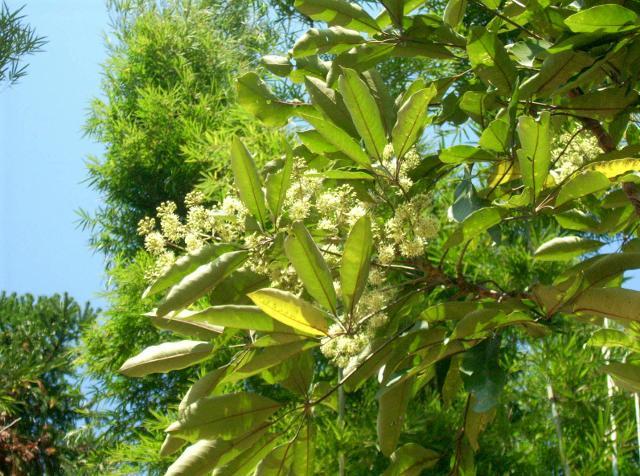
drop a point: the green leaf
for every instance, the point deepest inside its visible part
(454, 311)
(198, 459)
(171, 444)
(338, 174)
(604, 104)
(584, 183)
(194, 330)
(317, 144)
(244, 464)
(482, 375)
(477, 323)
(458, 154)
(497, 136)
(278, 65)
(237, 317)
(339, 138)
(364, 111)
(291, 310)
(278, 462)
(332, 40)
(556, 70)
(310, 266)
(614, 338)
(490, 60)
(278, 183)
(615, 303)
(185, 265)
(366, 364)
(535, 154)
(247, 180)
(329, 102)
(255, 97)
(224, 416)
(410, 460)
(615, 168)
(203, 387)
(608, 18)
(474, 225)
(454, 12)
(166, 357)
(200, 282)
(356, 259)
(626, 376)
(412, 117)
(565, 248)
(476, 422)
(384, 19)
(392, 406)
(395, 10)
(263, 358)
(304, 451)
(338, 12)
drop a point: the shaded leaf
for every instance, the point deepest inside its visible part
(482, 375)
(339, 138)
(490, 60)
(310, 266)
(200, 282)
(224, 416)
(198, 459)
(278, 183)
(255, 97)
(364, 112)
(410, 460)
(392, 406)
(609, 18)
(186, 264)
(247, 180)
(412, 117)
(565, 248)
(356, 260)
(535, 154)
(338, 12)
(166, 357)
(332, 40)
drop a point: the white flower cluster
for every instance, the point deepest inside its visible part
(581, 150)
(333, 209)
(408, 231)
(400, 169)
(347, 339)
(224, 223)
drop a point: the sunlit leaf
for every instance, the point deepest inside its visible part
(291, 310)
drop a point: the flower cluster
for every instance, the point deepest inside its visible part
(408, 230)
(571, 153)
(348, 338)
(168, 233)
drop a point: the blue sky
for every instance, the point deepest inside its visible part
(42, 153)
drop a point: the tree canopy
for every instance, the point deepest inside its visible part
(40, 397)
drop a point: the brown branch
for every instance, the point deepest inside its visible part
(607, 144)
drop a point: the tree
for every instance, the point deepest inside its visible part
(17, 40)
(40, 400)
(168, 95)
(362, 278)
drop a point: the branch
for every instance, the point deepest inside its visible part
(607, 144)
